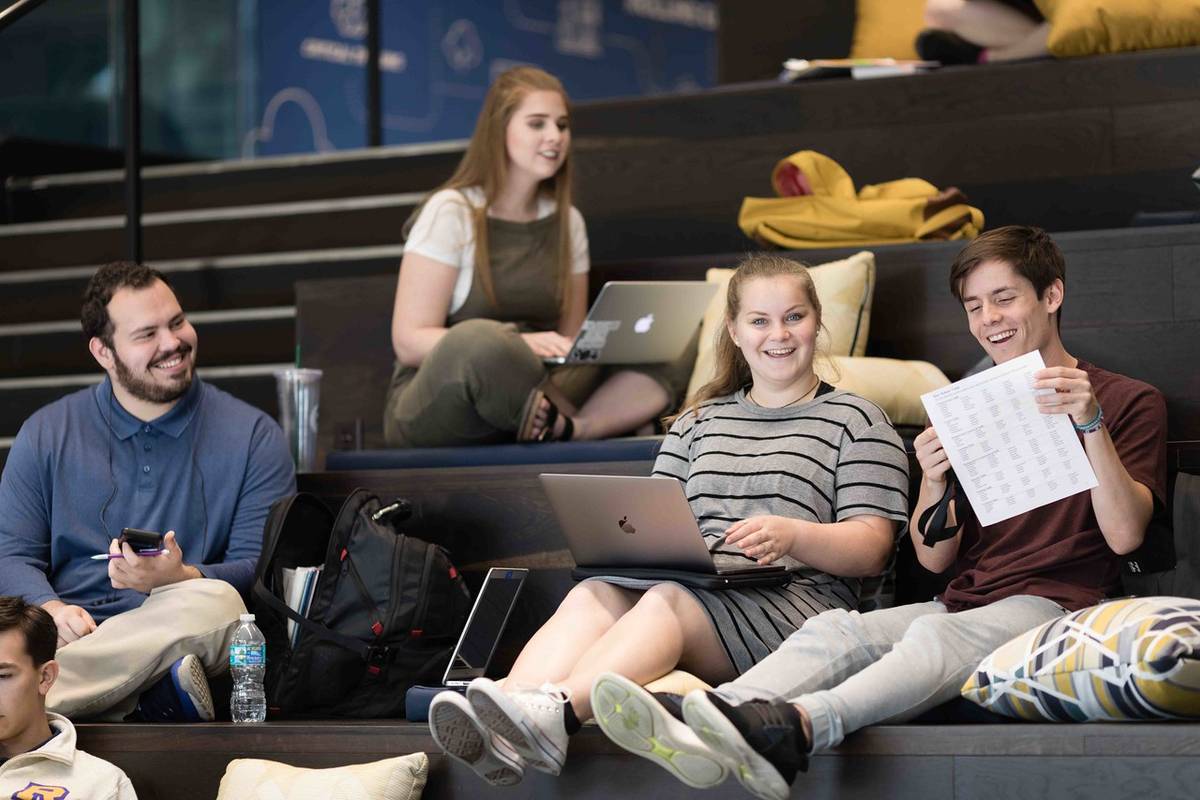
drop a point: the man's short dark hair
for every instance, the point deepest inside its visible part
(101, 288)
(1028, 250)
(41, 635)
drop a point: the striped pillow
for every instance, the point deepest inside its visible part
(1131, 659)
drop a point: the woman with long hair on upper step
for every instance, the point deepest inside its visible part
(494, 279)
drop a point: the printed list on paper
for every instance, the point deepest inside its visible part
(1008, 457)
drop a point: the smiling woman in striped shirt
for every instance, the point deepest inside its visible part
(785, 467)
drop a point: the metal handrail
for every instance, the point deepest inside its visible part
(133, 132)
(17, 10)
(374, 76)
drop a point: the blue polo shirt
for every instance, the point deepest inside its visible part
(83, 467)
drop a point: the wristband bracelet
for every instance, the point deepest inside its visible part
(1092, 425)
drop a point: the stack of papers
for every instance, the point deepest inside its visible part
(299, 585)
(795, 68)
(1008, 456)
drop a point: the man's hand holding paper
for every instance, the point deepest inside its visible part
(1072, 393)
(1009, 437)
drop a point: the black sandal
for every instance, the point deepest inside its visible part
(529, 417)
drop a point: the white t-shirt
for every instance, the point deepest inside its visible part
(444, 232)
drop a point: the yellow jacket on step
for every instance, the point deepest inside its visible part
(818, 207)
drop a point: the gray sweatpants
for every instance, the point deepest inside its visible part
(848, 670)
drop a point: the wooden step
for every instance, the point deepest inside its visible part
(228, 338)
(201, 284)
(232, 230)
(967, 762)
(20, 397)
(213, 184)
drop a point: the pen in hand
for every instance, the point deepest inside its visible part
(111, 556)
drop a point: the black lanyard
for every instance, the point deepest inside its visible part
(934, 521)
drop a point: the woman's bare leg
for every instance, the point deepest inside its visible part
(986, 23)
(621, 404)
(665, 629)
(1034, 45)
(588, 611)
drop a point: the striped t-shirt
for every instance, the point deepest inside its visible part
(832, 458)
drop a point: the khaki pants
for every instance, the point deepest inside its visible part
(102, 674)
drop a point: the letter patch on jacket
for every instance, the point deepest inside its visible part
(36, 791)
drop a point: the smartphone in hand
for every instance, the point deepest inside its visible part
(141, 540)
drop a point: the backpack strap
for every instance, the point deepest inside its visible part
(365, 651)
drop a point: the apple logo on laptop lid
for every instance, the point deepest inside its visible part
(625, 525)
(643, 324)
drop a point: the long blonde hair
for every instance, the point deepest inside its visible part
(485, 165)
(732, 372)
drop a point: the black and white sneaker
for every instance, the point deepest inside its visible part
(461, 735)
(638, 722)
(763, 742)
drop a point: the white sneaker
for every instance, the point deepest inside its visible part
(530, 720)
(634, 719)
(463, 737)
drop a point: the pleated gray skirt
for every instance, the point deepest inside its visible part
(752, 623)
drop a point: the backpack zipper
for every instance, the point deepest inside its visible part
(418, 625)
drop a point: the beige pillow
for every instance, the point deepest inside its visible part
(401, 778)
(895, 386)
(845, 289)
(887, 28)
(676, 682)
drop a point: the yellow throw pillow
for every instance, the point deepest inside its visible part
(894, 385)
(887, 28)
(845, 289)
(401, 778)
(1131, 659)
(1089, 27)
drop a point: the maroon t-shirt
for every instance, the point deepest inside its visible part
(1057, 551)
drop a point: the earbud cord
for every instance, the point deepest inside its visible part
(111, 477)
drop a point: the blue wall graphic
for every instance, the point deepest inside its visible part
(439, 57)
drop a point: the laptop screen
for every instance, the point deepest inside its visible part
(485, 626)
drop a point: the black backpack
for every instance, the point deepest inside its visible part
(385, 614)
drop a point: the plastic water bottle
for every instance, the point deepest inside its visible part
(248, 663)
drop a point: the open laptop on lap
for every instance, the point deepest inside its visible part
(639, 322)
(641, 528)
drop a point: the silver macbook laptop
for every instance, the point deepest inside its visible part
(639, 322)
(481, 635)
(625, 521)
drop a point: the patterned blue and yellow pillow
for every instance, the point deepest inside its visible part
(1132, 659)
